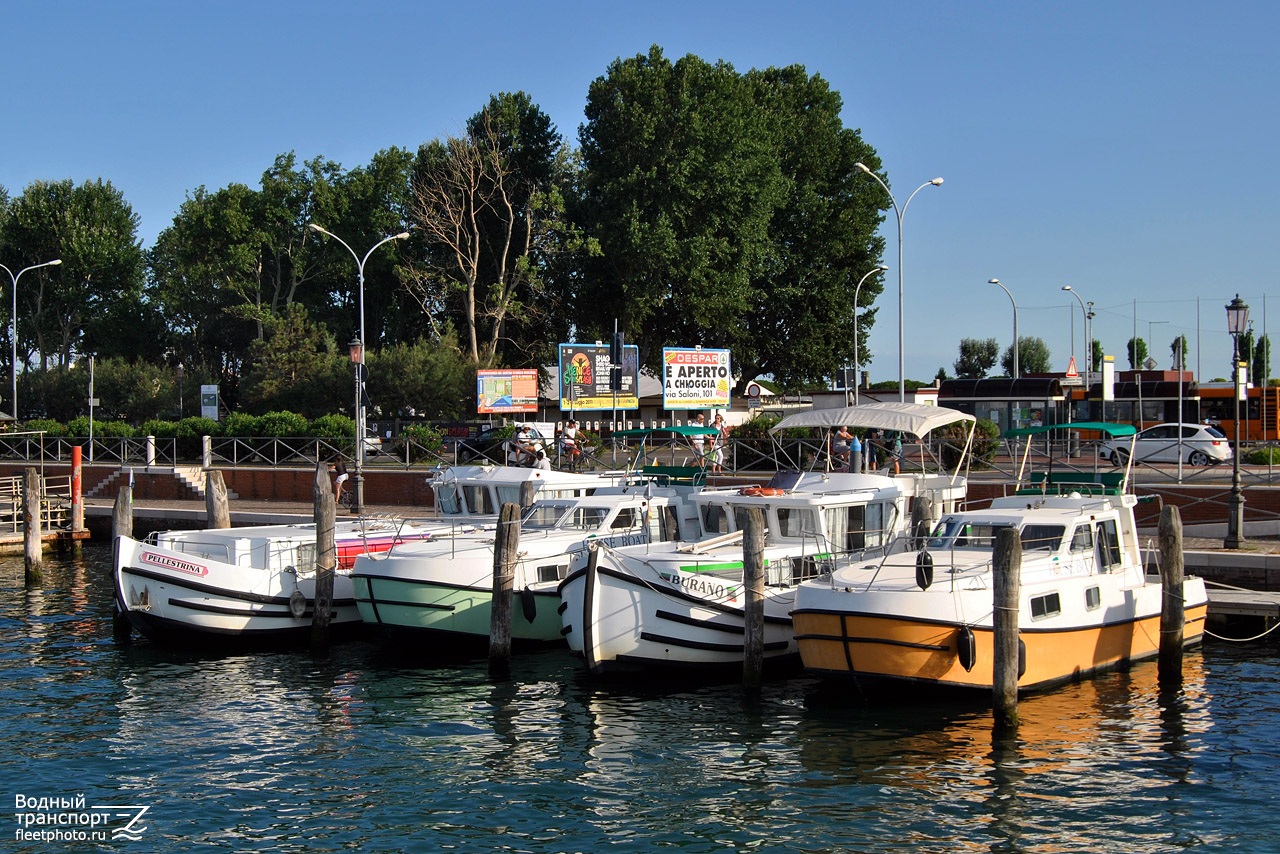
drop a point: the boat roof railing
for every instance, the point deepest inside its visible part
(1104, 482)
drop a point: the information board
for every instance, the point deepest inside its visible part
(695, 379)
(507, 390)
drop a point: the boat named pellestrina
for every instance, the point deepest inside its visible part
(923, 618)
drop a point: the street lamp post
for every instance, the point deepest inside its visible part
(857, 360)
(900, 212)
(13, 329)
(358, 358)
(1237, 323)
(1015, 324)
(1088, 347)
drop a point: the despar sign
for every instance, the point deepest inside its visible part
(695, 379)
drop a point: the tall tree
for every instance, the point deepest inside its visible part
(484, 204)
(1033, 356)
(1260, 369)
(1137, 350)
(728, 214)
(206, 268)
(977, 358)
(92, 302)
(680, 184)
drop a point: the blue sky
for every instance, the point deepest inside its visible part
(1124, 148)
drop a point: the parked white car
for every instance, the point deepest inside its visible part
(1196, 444)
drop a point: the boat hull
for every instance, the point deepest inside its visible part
(170, 595)
(625, 619)
(407, 607)
(866, 642)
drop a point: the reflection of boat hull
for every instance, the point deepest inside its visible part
(929, 653)
(168, 594)
(626, 615)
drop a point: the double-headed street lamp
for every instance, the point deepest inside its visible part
(900, 211)
(13, 329)
(1237, 323)
(357, 356)
(1015, 324)
(857, 362)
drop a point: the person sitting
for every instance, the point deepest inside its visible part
(540, 461)
(525, 448)
(569, 443)
(840, 437)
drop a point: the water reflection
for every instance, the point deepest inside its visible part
(285, 751)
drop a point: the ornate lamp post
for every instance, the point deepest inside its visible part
(357, 357)
(13, 329)
(1237, 323)
(857, 361)
(1016, 372)
(900, 212)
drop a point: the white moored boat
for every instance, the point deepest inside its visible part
(445, 588)
(681, 605)
(248, 583)
(923, 617)
(259, 582)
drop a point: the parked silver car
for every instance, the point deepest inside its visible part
(1197, 444)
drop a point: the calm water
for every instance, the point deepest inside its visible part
(286, 752)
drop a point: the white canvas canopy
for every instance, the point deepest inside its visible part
(913, 418)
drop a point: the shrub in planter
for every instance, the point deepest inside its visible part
(333, 427)
(46, 425)
(241, 424)
(1268, 456)
(282, 424)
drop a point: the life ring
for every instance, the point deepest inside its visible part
(761, 490)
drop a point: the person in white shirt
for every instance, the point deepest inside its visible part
(541, 461)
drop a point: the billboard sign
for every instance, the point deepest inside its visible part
(695, 378)
(507, 390)
(584, 378)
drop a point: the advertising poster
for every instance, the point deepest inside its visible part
(695, 379)
(507, 390)
(584, 378)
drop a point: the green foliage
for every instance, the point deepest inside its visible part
(1137, 351)
(758, 426)
(282, 424)
(1268, 456)
(1033, 357)
(296, 365)
(986, 441)
(160, 429)
(47, 425)
(333, 427)
(730, 213)
(79, 427)
(425, 435)
(977, 358)
(197, 426)
(241, 424)
(425, 379)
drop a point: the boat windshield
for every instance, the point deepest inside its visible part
(956, 532)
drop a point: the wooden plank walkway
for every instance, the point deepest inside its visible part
(1243, 603)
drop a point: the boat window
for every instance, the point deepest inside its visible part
(1082, 540)
(856, 527)
(1092, 598)
(1042, 538)
(714, 519)
(585, 518)
(509, 494)
(544, 515)
(547, 574)
(627, 518)
(795, 522)
(1048, 605)
(306, 557)
(955, 532)
(479, 500)
(1108, 544)
(448, 499)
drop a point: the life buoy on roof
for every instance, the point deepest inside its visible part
(761, 490)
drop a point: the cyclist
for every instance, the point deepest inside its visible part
(340, 469)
